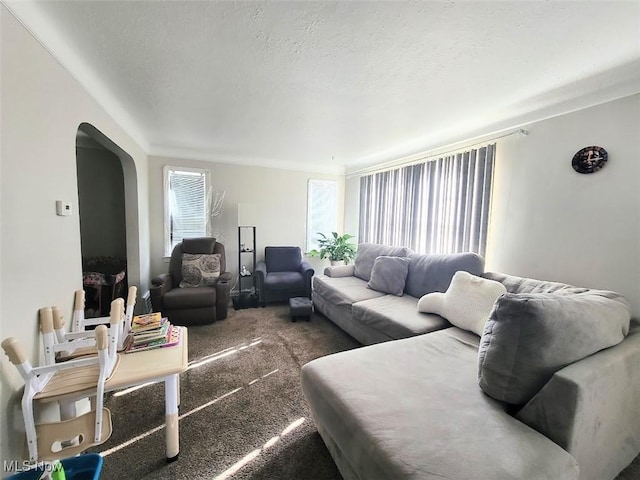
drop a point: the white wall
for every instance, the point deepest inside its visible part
(42, 107)
(280, 197)
(551, 223)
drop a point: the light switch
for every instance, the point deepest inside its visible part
(63, 208)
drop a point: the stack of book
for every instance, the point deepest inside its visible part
(151, 331)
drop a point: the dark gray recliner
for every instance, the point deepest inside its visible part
(283, 275)
(196, 305)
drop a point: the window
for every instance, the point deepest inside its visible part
(185, 205)
(322, 210)
(439, 206)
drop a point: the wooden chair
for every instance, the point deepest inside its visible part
(80, 323)
(83, 343)
(65, 383)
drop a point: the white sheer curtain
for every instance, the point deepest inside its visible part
(440, 206)
(322, 210)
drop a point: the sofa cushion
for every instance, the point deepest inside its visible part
(182, 298)
(396, 317)
(530, 336)
(198, 245)
(280, 281)
(467, 302)
(200, 270)
(343, 290)
(282, 259)
(433, 272)
(389, 274)
(515, 284)
(368, 252)
(412, 409)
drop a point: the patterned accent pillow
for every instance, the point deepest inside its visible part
(389, 274)
(200, 270)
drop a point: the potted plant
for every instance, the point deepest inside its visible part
(337, 247)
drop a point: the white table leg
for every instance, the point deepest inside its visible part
(171, 385)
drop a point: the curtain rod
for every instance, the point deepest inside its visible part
(426, 155)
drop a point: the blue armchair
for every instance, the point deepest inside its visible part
(282, 275)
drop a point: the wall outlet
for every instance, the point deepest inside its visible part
(63, 208)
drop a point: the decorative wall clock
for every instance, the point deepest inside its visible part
(589, 159)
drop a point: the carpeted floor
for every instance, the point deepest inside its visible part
(241, 405)
(243, 415)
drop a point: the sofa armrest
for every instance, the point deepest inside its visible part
(159, 286)
(590, 409)
(162, 280)
(306, 270)
(223, 293)
(307, 273)
(340, 271)
(261, 274)
(225, 277)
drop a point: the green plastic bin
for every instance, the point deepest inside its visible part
(82, 467)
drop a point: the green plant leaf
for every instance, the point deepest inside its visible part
(336, 247)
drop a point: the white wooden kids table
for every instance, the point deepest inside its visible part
(157, 365)
(133, 369)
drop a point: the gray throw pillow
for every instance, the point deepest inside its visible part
(368, 252)
(389, 275)
(530, 336)
(200, 270)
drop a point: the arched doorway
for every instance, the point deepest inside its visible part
(107, 204)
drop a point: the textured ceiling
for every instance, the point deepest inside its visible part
(335, 84)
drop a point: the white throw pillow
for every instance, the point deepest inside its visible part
(467, 303)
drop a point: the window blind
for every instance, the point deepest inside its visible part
(439, 206)
(186, 206)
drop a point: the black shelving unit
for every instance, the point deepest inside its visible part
(246, 258)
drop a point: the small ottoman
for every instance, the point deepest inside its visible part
(300, 307)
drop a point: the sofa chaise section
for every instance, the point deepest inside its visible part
(592, 409)
(439, 405)
(412, 409)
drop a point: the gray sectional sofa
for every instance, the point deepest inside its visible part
(549, 390)
(371, 316)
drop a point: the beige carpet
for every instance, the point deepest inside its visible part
(243, 415)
